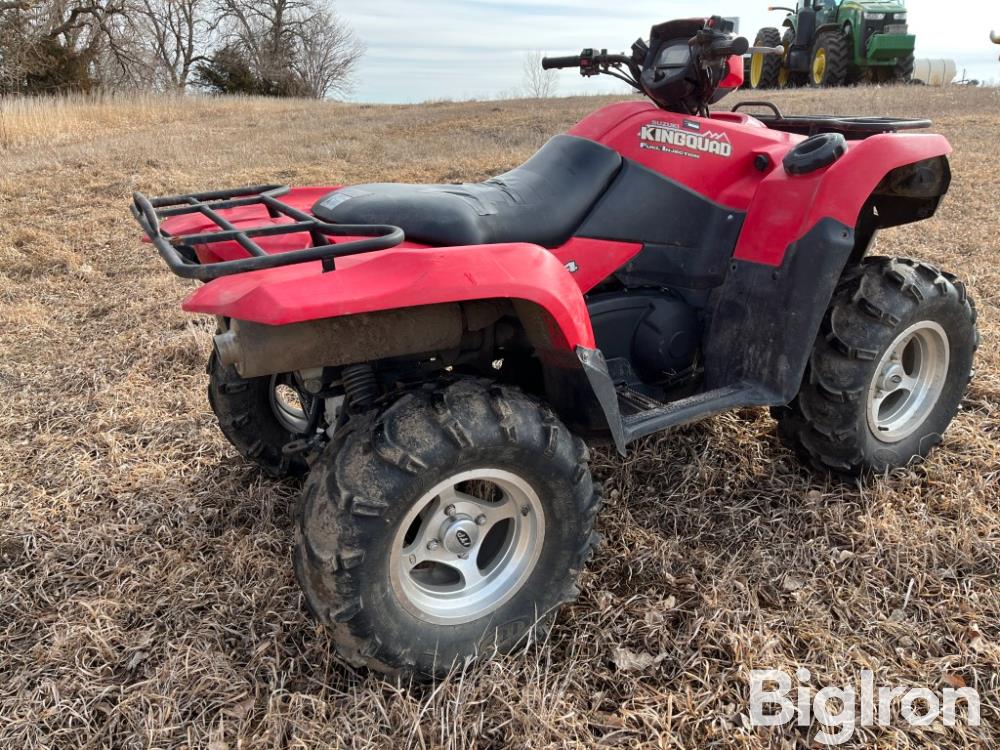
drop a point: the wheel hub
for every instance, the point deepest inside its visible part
(908, 381)
(892, 377)
(467, 546)
(819, 66)
(460, 535)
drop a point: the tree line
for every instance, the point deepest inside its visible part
(266, 47)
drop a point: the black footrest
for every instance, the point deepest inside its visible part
(642, 415)
(632, 415)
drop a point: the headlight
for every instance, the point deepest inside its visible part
(874, 16)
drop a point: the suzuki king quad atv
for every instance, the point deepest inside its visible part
(433, 355)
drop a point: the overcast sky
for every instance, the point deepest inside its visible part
(421, 50)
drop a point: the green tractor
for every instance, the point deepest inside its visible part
(835, 42)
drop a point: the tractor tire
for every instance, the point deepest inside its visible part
(249, 416)
(449, 525)
(765, 69)
(890, 367)
(786, 78)
(830, 57)
(902, 72)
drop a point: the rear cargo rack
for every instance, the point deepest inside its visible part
(851, 127)
(178, 250)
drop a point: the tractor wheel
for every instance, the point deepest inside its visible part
(903, 70)
(829, 60)
(449, 525)
(786, 78)
(765, 69)
(259, 416)
(889, 369)
(746, 73)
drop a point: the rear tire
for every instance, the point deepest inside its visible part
(851, 416)
(245, 408)
(786, 78)
(903, 70)
(830, 57)
(765, 69)
(380, 542)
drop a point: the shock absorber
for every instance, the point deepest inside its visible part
(360, 386)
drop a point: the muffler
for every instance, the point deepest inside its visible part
(256, 349)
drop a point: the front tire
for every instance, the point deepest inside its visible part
(765, 69)
(829, 60)
(786, 78)
(890, 367)
(902, 72)
(454, 522)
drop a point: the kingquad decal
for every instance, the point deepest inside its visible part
(669, 138)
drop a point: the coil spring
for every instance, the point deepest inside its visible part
(360, 385)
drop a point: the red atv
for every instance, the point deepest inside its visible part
(433, 355)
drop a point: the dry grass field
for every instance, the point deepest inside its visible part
(146, 592)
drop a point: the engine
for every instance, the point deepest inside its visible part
(654, 335)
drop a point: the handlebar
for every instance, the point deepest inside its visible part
(553, 63)
(588, 60)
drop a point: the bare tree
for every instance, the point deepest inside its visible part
(538, 83)
(328, 52)
(58, 45)
(268, 32)
(294, 47)
(174, 34)
(272, 47)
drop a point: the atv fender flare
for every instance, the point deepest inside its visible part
(787, 207)
(397, 279)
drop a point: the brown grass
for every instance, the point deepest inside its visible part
(146, 593)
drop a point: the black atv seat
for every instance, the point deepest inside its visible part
(543, 201)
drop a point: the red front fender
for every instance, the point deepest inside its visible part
(786, 207)
(401, 278)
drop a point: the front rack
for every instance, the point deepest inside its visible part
(178, 250)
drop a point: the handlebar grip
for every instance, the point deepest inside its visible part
(552, 63)
(737, 46)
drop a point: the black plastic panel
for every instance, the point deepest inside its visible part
(764, 319)
(688, 240)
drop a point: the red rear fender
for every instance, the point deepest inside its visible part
(407, 277)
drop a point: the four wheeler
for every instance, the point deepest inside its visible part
(434, 355)
(835, 42)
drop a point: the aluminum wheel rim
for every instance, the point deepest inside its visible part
(908, 381)
(289, 414)
(458, 556)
